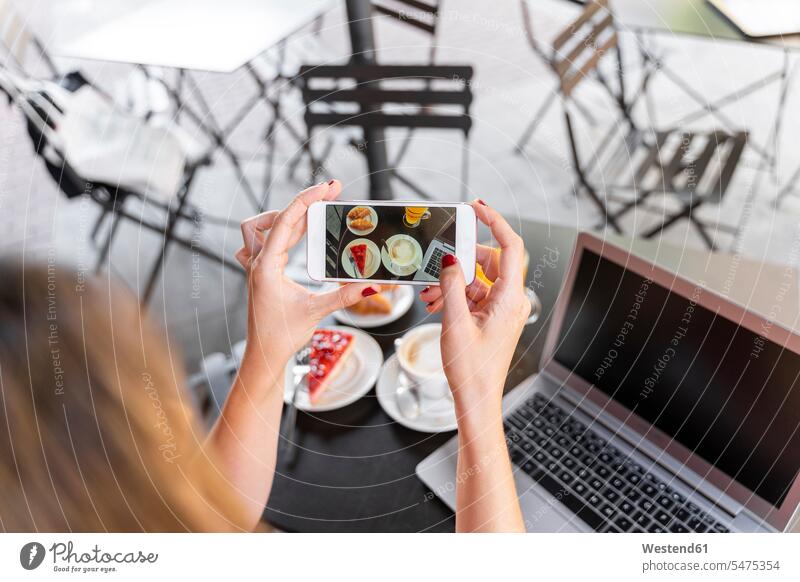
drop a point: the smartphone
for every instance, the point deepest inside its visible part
(389, 242)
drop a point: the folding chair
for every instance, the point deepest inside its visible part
(423, 16)
(44, 106)
(554, 54)
(360, 96)
(24, 49)
(694, 167)
(26, 54)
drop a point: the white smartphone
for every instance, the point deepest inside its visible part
(389, 242)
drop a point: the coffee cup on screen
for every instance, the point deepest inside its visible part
(402, 252)
(420, 357)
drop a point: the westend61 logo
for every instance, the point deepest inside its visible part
(67, 559)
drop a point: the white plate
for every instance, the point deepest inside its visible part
(402, 298)
(444, 419)
(397, 269)
(371, 263)
(357, 377)
(373, 216)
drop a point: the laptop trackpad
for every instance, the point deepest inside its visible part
(542, 513)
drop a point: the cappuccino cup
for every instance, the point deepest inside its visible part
(402, 252)
(420, 357)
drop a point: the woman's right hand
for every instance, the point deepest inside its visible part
(479, 335)
(481, 331)
(489, 260)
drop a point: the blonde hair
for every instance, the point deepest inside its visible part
(97, 432)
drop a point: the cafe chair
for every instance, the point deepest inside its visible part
(419, 14)
(423, 17)
(384, 96)
(23, 50)
(694, 168)
(63, 117)
(554, 54)
(633, 165)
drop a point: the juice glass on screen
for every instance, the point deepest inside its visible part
(414, 215)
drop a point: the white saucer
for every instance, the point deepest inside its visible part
(357, 377)
(443, 419)
(402, 271)
(402, 298)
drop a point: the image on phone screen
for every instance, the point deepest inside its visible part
(396, 243)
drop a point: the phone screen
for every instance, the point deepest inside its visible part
(395, 243)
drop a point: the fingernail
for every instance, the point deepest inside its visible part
(448, 261)
(481, 202)
(368, 291)
(331, 182)
(426, 289)
(429, 305)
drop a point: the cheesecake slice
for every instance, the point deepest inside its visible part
(359, 253)
(330, 348)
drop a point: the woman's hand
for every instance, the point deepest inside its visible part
(481, 324)
(282, 314)
(489, 260)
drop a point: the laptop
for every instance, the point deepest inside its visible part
(660, 406)
(760, 18)
(443, 243)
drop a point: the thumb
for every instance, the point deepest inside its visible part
(451, 280)
(323, 304)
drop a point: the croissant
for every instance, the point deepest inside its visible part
(361, 224)
(358, 212)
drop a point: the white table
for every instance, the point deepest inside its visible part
(200, 35)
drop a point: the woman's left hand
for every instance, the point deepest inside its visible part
(282, 314)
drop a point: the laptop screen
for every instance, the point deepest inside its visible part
(729, 395)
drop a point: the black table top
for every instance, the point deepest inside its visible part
(355, 472)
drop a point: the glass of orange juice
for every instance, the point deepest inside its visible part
(415, 215)
(536, 304)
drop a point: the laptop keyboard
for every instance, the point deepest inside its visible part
(435, 262)
(595, 480)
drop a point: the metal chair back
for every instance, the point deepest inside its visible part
(422, 15)
(420, 96)
(578, 50)
(329, 90)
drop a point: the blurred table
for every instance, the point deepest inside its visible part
(199, 35)
(356, 473)
(689, 17)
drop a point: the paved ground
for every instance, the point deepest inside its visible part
(202, 306)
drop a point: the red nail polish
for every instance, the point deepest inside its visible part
(481, 202)
(331, 182)
(426, 289)
(368, 291)
(448, 261)
(428, 305)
